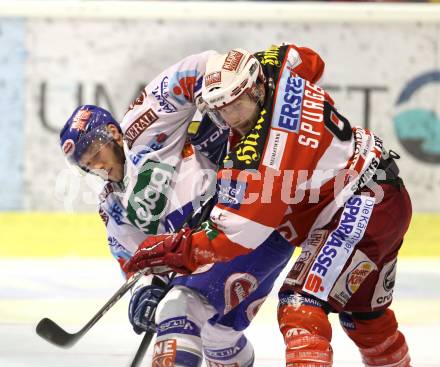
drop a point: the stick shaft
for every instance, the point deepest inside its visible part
(142, 349)
(146, 340)
(55, 334)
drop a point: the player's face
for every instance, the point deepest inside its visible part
(106, 161)
(241, 114)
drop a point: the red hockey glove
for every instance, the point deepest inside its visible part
(163, 253)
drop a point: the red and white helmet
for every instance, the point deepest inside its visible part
(228, 76)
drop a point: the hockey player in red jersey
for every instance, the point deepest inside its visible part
(300, 170)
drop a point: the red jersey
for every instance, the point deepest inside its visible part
(293, 170)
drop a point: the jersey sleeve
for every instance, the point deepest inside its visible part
(156, 122)
(123, 238)
(312, 65)
(245, 216)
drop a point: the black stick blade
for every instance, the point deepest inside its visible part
(54, 334)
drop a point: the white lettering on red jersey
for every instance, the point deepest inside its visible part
(291, 170)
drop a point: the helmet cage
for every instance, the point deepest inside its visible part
(90, 142)
(86, 131)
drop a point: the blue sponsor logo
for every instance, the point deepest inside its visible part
(162, 94)
(339, 236)
(180, 325)
(117, 249)
(154, 145)
(231, 193)
(287, 111)
(346, 321)
(290, 114)
(117, 213)
(226, 353)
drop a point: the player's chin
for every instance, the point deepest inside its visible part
(115, 175)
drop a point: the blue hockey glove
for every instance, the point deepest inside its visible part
(142, 308)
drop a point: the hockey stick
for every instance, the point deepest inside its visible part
(55, 334)
(148, 336)
(142, 349)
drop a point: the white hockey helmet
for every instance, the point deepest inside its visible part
(228, 76)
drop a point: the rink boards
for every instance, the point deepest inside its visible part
(83, 234)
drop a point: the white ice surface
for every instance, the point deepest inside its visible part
(70, 291)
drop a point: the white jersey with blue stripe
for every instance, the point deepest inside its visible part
(165, 177)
